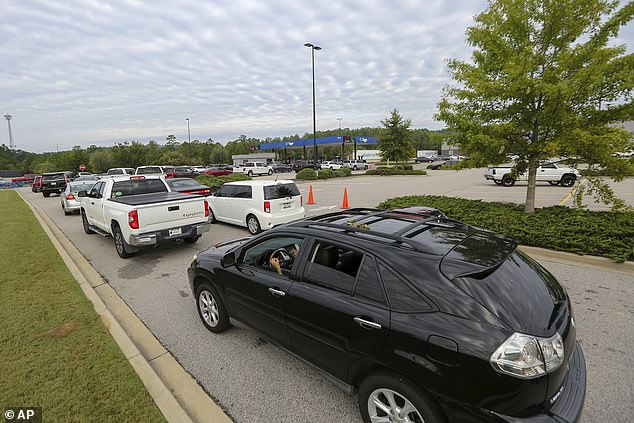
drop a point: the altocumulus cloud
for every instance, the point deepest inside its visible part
(81, 72)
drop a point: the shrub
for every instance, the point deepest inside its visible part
(306, 174)
(598, 233)
(386, 171)
(343, 172)
(325, 174)
(215, 182)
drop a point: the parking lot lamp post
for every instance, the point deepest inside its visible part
(189, 135)
(313, 47)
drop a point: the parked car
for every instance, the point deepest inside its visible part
(69, 198)
(36, 186)
(424, 159)
(553, 173)
(187, 186)
(220, 170)
(120, 171)
(355, 164)
(432, 321)
(27, 177)
(302, 164)
(151, 170)
(88, 178)
(184, 172)
(140, 211)
(253, 169)
(279, 167)
(258, 205)
(331, 165)
(444, 164)
(55, 182)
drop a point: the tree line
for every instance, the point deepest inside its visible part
(173, 152)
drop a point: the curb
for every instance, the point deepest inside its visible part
(177, 394)
(594, 262)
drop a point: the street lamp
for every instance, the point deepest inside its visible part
(189, 135)
(313, 47)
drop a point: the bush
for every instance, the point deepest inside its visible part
(403, 166)
(325, 174)
(306, 174)
(387, 171)
(598, 233)
(215, 182)
(343, 172)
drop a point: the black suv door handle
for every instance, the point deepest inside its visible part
(367, 324)
(277, 292)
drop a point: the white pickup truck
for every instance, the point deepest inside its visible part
(550, 172)
(138, 211)
(253, 168)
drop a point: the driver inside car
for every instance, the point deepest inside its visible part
(283, 258)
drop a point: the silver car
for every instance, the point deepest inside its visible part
(70, 201)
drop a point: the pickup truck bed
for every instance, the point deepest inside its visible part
(153, 198)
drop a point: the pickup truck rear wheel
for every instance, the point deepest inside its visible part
(84, 221)
(508, 181)
(567, 181)
(119, 242)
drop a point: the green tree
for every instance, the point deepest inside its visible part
(541, 73)
(100, 161)
(395, 142)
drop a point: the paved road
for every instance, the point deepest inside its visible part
(256, 382)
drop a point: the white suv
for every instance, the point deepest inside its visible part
(355, 164)
(253, 168)
(258, 205)
(331, 165)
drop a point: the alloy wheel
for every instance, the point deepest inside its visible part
(386, 405)
(208, 308)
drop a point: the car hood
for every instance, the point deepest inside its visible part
(222, 248)
(521, 293)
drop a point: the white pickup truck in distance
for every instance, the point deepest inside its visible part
(253, 168)
(550, 172)
(138, 211)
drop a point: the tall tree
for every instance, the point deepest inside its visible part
(541, 74)
(395, 143)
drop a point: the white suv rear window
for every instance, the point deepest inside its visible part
(273, 192)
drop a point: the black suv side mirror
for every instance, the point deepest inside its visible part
(228, 260)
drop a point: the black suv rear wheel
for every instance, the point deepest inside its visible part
(388, 396)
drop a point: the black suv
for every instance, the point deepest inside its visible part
(426, 318)
(55, 182)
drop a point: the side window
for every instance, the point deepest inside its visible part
(402, 297)
(275, 255)
(102, 188)
(368, 286)
(333, 266)
(548, 165)
(226, 191)
(242, 191)
(95, 190)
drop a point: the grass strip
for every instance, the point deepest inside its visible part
(55, 353)
(598, 233)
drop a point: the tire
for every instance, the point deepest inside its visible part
(191, 239)
(84, 221)
(270, 172)
(253, 225)
(66, 213)
(354, 168)
(508, 181)
(553, 182)
(211, 308)
(120, 245)
(46, 194)
(379, 386)
(365, 168)
(212, 217)
(250, 174)
(567, 181)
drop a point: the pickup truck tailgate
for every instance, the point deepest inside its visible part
(166, 210)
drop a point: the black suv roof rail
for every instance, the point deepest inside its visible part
(398, 237)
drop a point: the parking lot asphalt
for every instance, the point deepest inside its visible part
(255, 381)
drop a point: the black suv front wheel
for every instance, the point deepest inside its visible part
(386, 396)
(211, 309)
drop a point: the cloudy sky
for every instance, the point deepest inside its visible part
(82, 72)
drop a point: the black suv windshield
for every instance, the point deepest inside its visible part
(273, 192)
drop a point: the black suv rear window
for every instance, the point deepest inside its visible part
(273, 192)
(53, 177)
(137, 186)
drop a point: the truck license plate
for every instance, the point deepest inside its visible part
(286, 205)
(174, 232)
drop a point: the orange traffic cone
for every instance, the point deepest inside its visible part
(311, 200)
(345, 199)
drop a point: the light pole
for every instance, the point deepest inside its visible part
(313, 47)
(189, 135)
(8, 118)
(342, 140)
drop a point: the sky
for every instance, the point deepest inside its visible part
(83, 72)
